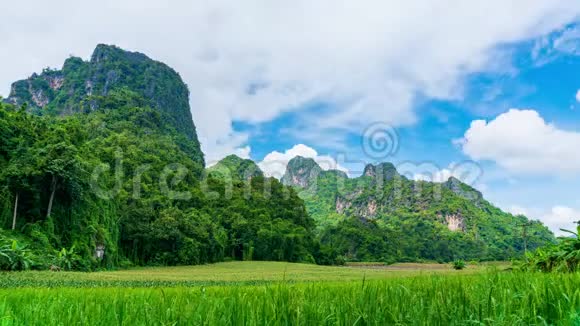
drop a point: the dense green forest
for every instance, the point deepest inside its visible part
(100, 167)
(103, 180)
(126, 177)
(235, 168)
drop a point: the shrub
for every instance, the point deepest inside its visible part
(563, 257)
(15, 257)
(68, 259)
(458, 264)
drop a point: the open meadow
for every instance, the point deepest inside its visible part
(272, 293)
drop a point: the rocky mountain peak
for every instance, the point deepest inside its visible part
(109, 53)
(301, 171)
(381, 172)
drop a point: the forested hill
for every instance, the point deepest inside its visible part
(382, 215)
(100, 167)
(235, 168)
(111, 73)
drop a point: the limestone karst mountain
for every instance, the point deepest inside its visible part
(113, 77)
(451, 211)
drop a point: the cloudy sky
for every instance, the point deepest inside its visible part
(485, 90)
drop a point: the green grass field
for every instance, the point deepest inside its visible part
(267, 293)
(224, 273)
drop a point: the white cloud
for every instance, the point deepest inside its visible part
(243, 152)
(522, 142)
(252, 60)
(274, 164)
(468, 172)
(561, 217)
(578, 96)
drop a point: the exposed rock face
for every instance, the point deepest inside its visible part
(55, 82)
(301, 172)
(368, 210)
(38, 97)
(342, 204)
(455, 222)
(369, 200)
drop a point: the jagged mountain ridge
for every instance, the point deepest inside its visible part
(382, 196)
(305, 173)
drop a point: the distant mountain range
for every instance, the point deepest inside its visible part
(451, 212)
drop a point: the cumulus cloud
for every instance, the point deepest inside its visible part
(522, 142)
(561, 217)
(578, 96)
(252, 61)
(274, 164)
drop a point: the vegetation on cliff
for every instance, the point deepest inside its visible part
(383, 216)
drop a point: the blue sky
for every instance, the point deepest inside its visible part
(483, 90)
(546, 84)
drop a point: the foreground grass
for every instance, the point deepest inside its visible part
(501, 298)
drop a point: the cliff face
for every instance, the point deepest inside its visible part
(382, 195)
(301, 172)
(85, 86)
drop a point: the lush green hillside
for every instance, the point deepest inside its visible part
(112, 174)
(235, 168)
(384, 216)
